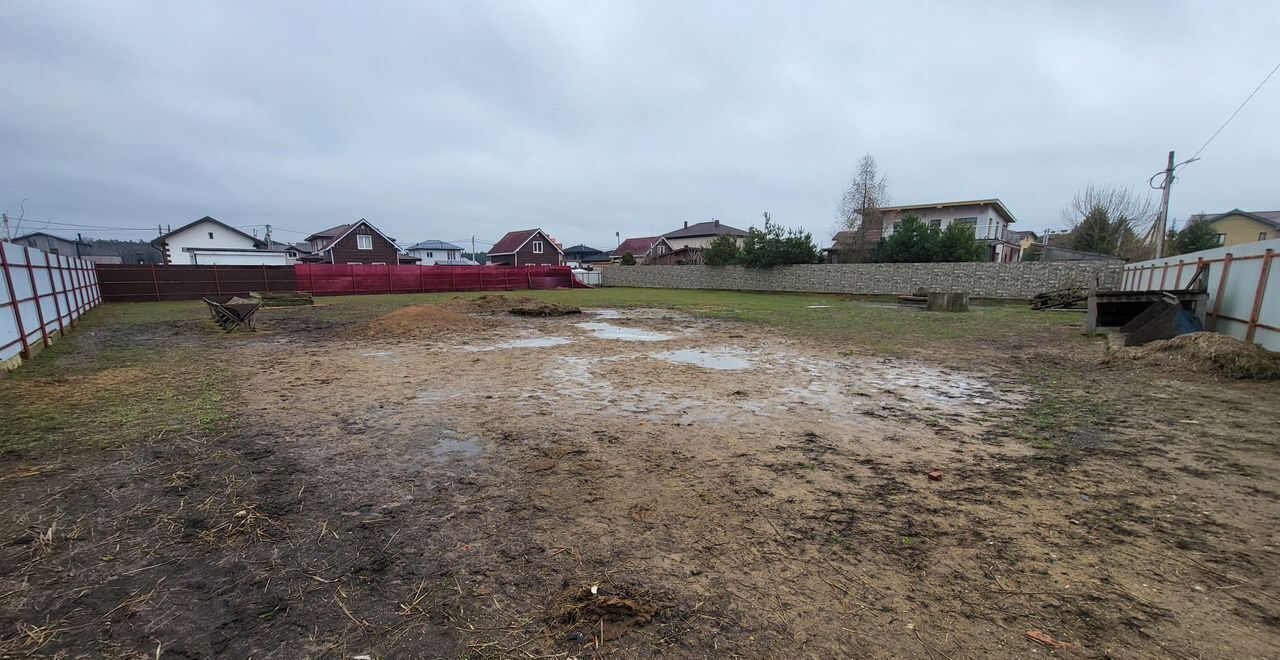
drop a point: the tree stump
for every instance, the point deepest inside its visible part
(941, 301)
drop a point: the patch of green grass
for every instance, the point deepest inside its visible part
(872, 324)
(99, 393)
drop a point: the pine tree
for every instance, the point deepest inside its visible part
(1195, 237)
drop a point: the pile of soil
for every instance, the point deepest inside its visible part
(544, 309)
(490, 302)
(420, 320)
(1206, 352)
(589, 609)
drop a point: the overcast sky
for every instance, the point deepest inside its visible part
(447, 119)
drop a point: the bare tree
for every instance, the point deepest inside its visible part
(1110, 219)
(860, 206)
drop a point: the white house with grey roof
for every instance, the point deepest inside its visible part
(439, 253)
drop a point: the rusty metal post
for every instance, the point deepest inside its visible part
(57, 304)
(1222, 288)
(155, 282)
(13, 302)
(1257, 296)
(35, 295)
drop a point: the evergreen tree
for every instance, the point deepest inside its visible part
(956, 243)
(628, 259)
(1097, 233)
(912, 241)
(1195, 237)
(723, 251)
(777, 246)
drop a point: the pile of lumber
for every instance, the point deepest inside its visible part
(282, 298)
(1060, 298)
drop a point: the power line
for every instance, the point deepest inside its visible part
(1233, 115)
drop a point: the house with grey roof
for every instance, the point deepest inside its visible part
(439, 253)
(1235, 226)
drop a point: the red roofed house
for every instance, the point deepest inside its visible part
(527, 247)
(356, 243)
(640, 248)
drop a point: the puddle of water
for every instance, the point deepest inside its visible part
(449, 448)
(706, 359)
(377, 354)
(606, 313)
(535, 342)
(611, 331)
(816, 306)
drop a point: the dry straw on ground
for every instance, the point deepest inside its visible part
(1206, 352)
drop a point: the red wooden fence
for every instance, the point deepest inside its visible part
(355, 279)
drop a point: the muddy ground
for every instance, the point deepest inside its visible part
(649, 483)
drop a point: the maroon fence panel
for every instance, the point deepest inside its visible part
(143, 283)
(356, 279)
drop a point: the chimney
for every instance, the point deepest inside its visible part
(717, 223)
(686, 224)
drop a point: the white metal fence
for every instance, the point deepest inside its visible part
(41, 295)
(1244, 287)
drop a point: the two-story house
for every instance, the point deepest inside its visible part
(438, 253)
(526, 247)
(1235, 226)
(356, 243)
(989, 219)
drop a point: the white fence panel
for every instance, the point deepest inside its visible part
(1244, 287)
(41, 296)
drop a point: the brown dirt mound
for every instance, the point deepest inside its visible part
(489, 302)
(1206, 352)
(420, 319)
(544, 309)
(589, 610)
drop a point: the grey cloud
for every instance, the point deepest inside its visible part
(443, 120)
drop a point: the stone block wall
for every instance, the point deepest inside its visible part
(1015, 281)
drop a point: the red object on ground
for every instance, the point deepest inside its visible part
(1044, 638)
(936, 475)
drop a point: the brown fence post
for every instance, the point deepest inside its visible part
(155, 282)
(1222, 288)
(217, 281)
(13, 302)
(265, 284)
(390, 287)
(1177, 278)
(1257, 296)
(57, 304)
(35, 295)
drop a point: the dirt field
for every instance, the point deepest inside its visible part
(724, 475)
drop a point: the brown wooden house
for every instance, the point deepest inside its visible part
(356, 243)
(527, 247)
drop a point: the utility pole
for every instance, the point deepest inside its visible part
(268, 237)
(6, 225)
(1162, 222)
(473, 249)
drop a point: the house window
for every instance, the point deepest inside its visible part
(430, 255)
(971, 223)
(936, 223)
(364, 242)
(211, 236)
(1262, 235)
(292, 255)
(537, 247)
(1221, 239)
